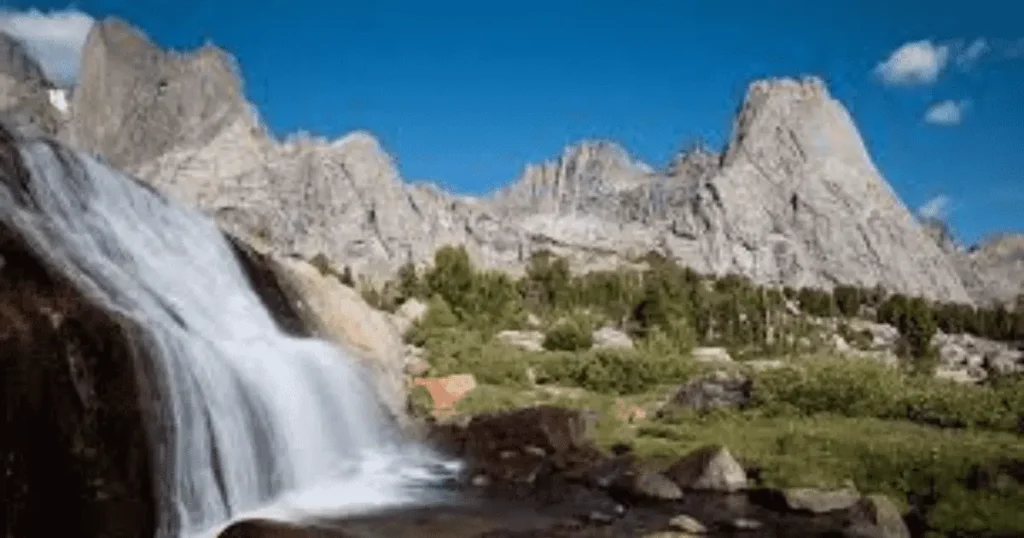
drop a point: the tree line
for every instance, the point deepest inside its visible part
(674, 303)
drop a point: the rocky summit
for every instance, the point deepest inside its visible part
(793, 199)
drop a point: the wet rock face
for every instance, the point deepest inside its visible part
(259, 269)
(73, 444)
(73, 441)
(553, 430)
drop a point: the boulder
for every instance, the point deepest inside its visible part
(528, 340)
(719, 389)
(554, 430)
(339, 314)
(687, 524)
(609, 337)
(711, 355)
(839, 344)
(647, 484)
(878, 517)
(820, 501)
(1004, 362)
(711, 468)
(965, 377)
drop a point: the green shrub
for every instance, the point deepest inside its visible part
(454, 350)
(420, 403)
(568, 336)
(861, 388)
(615, 371)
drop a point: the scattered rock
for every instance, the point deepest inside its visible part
(608, 337)
(533, 321)
(745, 524)
(965, 377)
(883, 336)
(760, 365)
(882, 513)
(1004, 362)
(711, 354)
(528, 340)
(687, 524)
(840, 344)
(711, 468)
(719, 389)
(820, 501)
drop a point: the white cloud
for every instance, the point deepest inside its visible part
(916, 62)
(935, 208)
(967, 56)
(54, 39)
(947, 112)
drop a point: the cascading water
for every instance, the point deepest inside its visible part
(247, 417)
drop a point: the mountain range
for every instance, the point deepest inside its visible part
(792, 199)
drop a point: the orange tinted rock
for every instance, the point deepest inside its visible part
(447, 391)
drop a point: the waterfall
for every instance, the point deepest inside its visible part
(245, 417)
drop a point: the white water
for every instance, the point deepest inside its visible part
(248, 419)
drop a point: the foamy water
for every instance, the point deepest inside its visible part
(250, 421)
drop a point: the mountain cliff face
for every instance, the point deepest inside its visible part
(992, 272)
(26, 96)
(793, 199)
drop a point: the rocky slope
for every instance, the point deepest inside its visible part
(27, 98)
(793, 199)
(992, 271)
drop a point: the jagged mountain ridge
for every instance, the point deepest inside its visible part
(992, 271)
(794, 198)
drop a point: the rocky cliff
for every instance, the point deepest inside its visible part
(792, 199)
(27, 99)
(994, 270)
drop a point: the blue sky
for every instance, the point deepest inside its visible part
(466, 93)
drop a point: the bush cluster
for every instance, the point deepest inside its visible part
(866, 389)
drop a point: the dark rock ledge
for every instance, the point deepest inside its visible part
(535, 473)
(75, 457)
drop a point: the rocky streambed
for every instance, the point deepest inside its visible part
(535, 472)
